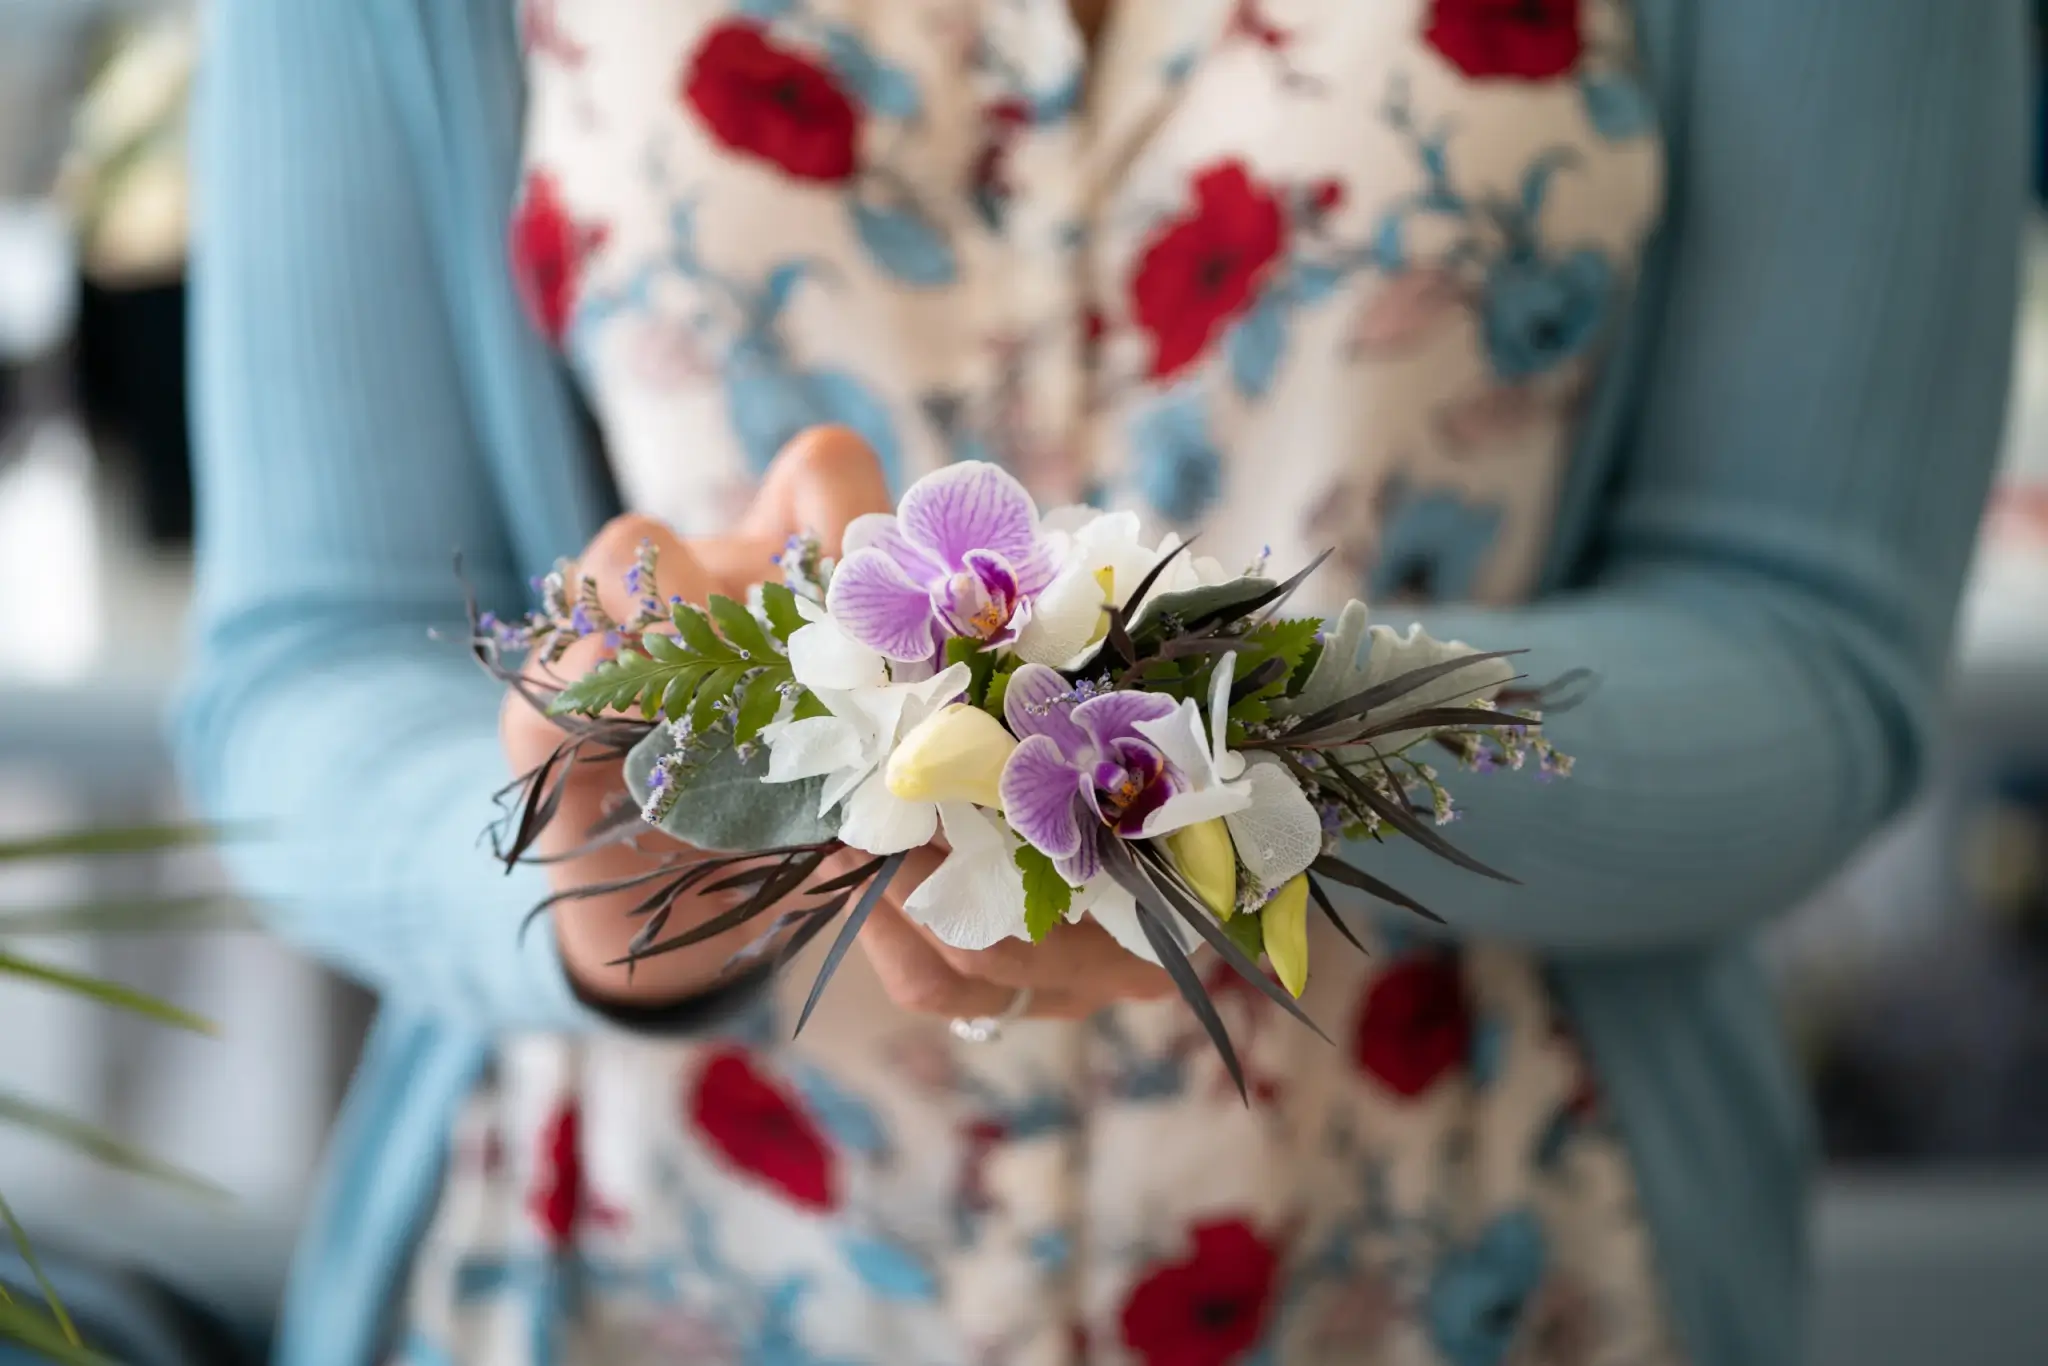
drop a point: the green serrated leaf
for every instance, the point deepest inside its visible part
(998, 688)
(808, 706)
(1289, 639)
(758, 705)
(631, 679)
(980, 662)
(105, 992)
(784, 619)
(694, 629)
(1047, 897)
(740, 628)
(716, 688)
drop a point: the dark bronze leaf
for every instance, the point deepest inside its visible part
(1322, 900)
(1337, 870)
(848, 933)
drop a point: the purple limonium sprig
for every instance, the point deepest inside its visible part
(962, 556)
(1083, 770)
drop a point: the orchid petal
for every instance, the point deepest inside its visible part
(1039, 701)
(1040, 788)
(1183, 809)
(877, 603)
(1279, 834)
(967, 506)
(1228, 765)
(1178, 735)
(881, 531)
(1065, 619)
(822, 655)
(1109, 717)
(812, 748)
(1086, 861)
(947, 685)
(878, 822)
(974, 899)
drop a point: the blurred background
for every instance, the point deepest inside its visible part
(1916, 985)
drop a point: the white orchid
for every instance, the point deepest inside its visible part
(1102, 562)
(850, 747)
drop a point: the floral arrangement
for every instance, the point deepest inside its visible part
(1099, 727)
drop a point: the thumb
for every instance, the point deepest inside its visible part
(822, 480)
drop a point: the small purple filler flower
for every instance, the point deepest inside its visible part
(1082, 767)
(962, 556)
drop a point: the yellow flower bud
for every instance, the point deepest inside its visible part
(1106, 576)
(954, 755)
(1285, 923)
(1208, 860)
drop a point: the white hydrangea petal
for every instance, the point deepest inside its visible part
(976, 897)
(878, 822)
(1279, 834)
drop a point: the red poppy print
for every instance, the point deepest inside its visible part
(549, 249)
(1415, 1025)
(561, 1200)
(763, 100)
(1531, 40)
(759, 1128)
(1210, 1307)
(1203, 268)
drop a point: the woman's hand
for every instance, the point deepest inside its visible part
(821, 481)
(1076, 971)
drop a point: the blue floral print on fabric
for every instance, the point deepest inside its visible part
(1176, 465)
(770, 395)
(1478, 1292)
(1433, 545)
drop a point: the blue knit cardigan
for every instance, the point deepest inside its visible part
(1760, 548)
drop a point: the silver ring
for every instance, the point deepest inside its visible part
(989, 1028)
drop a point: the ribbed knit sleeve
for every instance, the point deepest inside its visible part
(338, 474)
(1818, 395)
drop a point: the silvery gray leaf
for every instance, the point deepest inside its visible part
(725, 807)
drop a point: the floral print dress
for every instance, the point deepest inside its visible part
(1306, 273)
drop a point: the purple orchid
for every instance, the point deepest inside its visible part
(1132, 765)
(962, 556)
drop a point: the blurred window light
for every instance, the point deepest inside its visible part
(50, 558)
